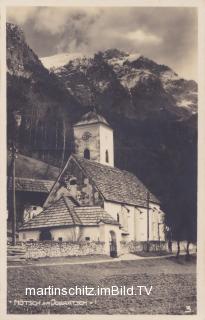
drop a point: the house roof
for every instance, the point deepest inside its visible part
(90, 118)
(64, 213)
(27, 167)
(31, 185)
(94, 215)
(116, 185)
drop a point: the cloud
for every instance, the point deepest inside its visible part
(170, 40)
(48, 21)
(92, 29)
(21, 15)
(143, 37)
(56, 20)
(53, 20)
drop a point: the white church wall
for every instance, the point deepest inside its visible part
(77, 234)
(112, 208)
(91, 232)
(126, 217)
(67, 234)
(157, 223)
(141, 224)
(94, 233)
(137, 221)
(106, 143)
(29, 235)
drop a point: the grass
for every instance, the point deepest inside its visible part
(173, 281)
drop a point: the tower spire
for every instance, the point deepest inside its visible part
(94, 109)
(93, 105)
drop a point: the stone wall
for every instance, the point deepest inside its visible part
(140, 246)
(183, 245)
(36, 249)
(44, 249)
(154, 246)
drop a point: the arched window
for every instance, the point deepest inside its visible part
(73, 182)
(106, 156)
(87, 154)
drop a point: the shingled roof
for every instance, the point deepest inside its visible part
(116, 185)
(64, 212)
(32, 185)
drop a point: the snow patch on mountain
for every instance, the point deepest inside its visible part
(130, 80)
(169, 75)
(185, 103)
(133, 56)
(82, 63)
(121, 59)
(59, 60)
(102, 85)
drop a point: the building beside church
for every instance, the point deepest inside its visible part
(30, 195)
(92, 200)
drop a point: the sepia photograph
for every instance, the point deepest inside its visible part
(102, 111)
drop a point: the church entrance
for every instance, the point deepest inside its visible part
(45, 235)
(113, 244)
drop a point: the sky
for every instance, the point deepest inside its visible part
(165, 35)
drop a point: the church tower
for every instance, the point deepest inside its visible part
(93, 138)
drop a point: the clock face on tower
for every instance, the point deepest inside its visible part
(86, 135)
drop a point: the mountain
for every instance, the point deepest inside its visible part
(140, 84)
(152, 110)
(59, 60)
(21, 60)
(45, 104)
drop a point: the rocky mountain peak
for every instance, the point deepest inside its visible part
(21, 60)
(133, 77)
(113, 53)
(14, 31)
(145, 63)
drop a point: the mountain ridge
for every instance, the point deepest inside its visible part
(131, 73)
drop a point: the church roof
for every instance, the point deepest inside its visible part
(90, 118)
(116, 185)
(64, 212)
(31, 185)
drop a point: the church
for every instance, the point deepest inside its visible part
(92, 200)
